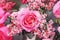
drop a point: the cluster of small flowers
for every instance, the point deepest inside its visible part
(32, 4)
(13, 29)
(45, 30)
(14, 26)
(36, 4)
(48, 4)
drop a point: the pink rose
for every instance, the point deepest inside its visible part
(4, 33)
(3, 15)
(56, 10)
(28, 19)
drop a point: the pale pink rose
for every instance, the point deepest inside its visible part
(28, 19)
(58, 29)
(56, 10)
(3, 15)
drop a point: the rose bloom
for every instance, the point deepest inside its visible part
(56, 10)
(3, 15)
(4, 33)
(28, 19)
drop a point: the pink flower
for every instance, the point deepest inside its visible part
(58, 29)
(56, 10)
(28, 19)
(4, 33)
(3, 15)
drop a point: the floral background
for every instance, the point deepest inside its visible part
(29, 19)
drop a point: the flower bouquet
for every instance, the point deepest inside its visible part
(29, 19)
